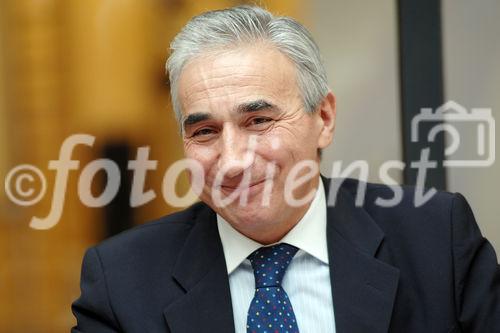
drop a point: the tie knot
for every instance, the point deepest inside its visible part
(270, 263)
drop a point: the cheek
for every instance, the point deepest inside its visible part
(284, 145)
(205, 156)
(302, 144)
(272, 157)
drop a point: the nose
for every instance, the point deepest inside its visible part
(237, 152)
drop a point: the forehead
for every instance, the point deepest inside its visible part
(221, 80)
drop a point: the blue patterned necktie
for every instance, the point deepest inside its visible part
(271, 311)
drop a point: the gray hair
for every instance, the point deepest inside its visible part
(235, 26)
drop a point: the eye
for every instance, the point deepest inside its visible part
(259, 121)
(204, 133)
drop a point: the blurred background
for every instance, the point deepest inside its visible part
(97, 67)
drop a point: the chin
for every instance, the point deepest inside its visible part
(250, 217)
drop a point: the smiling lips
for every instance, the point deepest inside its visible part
(230, 188)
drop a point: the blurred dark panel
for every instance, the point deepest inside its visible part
(421, 77)
(118, 215)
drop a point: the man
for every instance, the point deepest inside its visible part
(264, 252)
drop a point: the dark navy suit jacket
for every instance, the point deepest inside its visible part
(399, 269)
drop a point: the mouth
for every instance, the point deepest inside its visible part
(255, 186)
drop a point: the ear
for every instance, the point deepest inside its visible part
(326, 116)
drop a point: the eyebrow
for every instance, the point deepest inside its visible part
(254, 106)
(195, 118)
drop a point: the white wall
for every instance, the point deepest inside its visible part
(358, 42)
(471, 45)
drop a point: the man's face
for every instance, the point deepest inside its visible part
(243, 115)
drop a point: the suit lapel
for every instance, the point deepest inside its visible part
(201, 271)
(363, 287)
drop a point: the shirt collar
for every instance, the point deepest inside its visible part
(309, 235)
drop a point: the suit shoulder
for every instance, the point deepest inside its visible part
(408, 223)
(409, 194)
(413, 208)
(167, 232)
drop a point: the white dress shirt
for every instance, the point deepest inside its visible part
(306, 281)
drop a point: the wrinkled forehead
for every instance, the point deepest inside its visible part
(232, 75)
